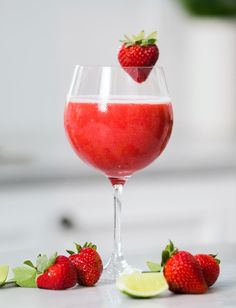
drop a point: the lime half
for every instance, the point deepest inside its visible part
(4, 269)
(142, 285)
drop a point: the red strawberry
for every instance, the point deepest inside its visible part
(138, 55)
(61, 275)
(88, 263)
(182, 271)
(184, 275)
(210, 267)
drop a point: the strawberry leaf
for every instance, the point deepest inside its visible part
(52, 259)
(141, 35)
(140, 39)
(42, 263)
(129, 44)
(78, 247)
(29, 263)
(169, 251)
(164, 257)
(90, 245)
(70, 252)
(152, 35)
(214, 256)
(150, 41)
(127, 38)
(154, 267)
(4, 269)
(171, 246)
(25, 276)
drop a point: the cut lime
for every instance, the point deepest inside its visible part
(142, 285)
(4, 269)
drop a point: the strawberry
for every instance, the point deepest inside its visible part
(183, 274)
(88, 263)
(60, 275)
(138, 55)
(182, 271)
(210, 267)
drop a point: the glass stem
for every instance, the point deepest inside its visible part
(117, 252)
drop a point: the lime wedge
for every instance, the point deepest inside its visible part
(142, 285)
(4, 269)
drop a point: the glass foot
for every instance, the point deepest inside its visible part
(115, 266)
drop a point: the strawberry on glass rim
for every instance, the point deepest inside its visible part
(138, 55)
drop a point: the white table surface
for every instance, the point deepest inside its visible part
(141, 225)
(223, 294)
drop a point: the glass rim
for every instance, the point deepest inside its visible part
(157, 67)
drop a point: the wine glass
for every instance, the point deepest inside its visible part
(118, 126)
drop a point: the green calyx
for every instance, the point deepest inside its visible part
(214, 256)
(79, 247)
(168, 252)
(140, 39)
(43, 262)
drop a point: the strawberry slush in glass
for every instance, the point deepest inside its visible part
(120, 138)
(118, 126)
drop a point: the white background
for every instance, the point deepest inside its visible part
(191, 189)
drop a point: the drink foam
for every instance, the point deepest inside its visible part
(121, 99)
